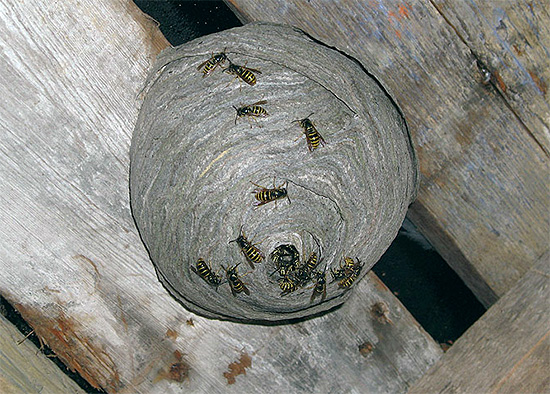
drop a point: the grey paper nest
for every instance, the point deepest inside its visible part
(193, 165)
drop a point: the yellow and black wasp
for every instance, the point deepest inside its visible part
(242, 73)
(287, 285)
(286, 259)
(250, 251)
(252, 110)
(320, 287)
(236, 284)
(264, 195)
(303, 272)
(311, 262)
(347, 281)
(210, 65)
(204, 270)
(313, 138)
(345, 269)
(350, 271)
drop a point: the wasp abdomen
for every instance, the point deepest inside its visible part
(287, 285)
(210, 65)
(203, 270)
(264, 195)
(313, 138)
(245, 74)
(235, 283)
(251, 252)
(254, 110)
(311, 262)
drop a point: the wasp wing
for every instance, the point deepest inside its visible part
(203, 64)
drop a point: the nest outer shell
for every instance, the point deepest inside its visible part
(192, 168)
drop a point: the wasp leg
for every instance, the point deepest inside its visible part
(250, 263)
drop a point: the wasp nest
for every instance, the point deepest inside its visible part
(269, 173)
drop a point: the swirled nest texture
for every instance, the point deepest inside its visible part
(196, 169)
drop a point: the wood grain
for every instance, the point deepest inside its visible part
(23, 369)
(73, 264)
(483, 194)
(506, 350)
(511, 39)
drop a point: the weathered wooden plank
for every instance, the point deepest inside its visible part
(484, 187)
(531, 374)
(512, 40)
(370, 344)
(507, 350)
(23, 369)
(72, 261)
(69, 81)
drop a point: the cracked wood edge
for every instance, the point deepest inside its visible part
(24, 369)
(506, 350)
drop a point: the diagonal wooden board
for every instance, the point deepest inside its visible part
(483, 149)
(72, 262)
(507, 350)
(511, 39)
(24, 370)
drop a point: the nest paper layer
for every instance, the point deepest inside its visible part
(193, 168)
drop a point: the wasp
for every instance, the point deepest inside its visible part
(250, 251)
(236, 284)
(265, 195)
(302, 276)
(351, 271)
(243, 73)
(287, 285)
(303, 272)
(285, 268)
(320, 287)
(286, 259)
(340, 273)
(204, 270)
(347, 281)
(347, 269)
(210, 65)
(255, 110)
(313, 138)
(311, 262)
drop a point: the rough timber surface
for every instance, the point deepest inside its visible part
(507, 350)
(72, 262)
(482, 148)
(24, 370)
(346, 198)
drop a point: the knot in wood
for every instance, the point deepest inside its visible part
(259, 137)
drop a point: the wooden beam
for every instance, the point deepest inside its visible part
(23, 369)
(511, 39)
(506, 350)
(484, 188)
(74, 265)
